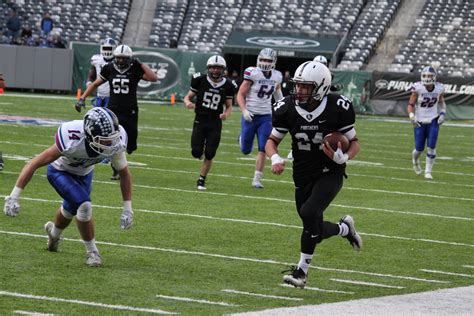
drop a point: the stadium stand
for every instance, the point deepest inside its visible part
(368, 31)
(74, 20)
(443, 36)
(167, 23)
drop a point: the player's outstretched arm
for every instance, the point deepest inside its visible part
(149, 74)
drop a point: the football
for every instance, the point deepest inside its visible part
(334, 138)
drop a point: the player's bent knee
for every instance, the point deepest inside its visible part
(245, 151)
(196, 153)
(210, 153)
(84, 212)
(66, 214)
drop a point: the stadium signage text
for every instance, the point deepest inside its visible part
(278, 41)
(165, 68)
(398, 85)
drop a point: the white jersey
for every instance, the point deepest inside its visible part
(71, 142)
(98, 62)
(426, 108)
(259, 98)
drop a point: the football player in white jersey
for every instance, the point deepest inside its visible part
(427, 111)
(255, 101)
(98, 61)
(79, 145)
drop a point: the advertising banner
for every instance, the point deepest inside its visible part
(356, 86)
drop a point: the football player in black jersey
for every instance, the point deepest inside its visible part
(212, 92)
(308, 115)
(123, 75)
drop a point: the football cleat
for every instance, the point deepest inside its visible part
(257, 184)
(53, 242)
(353, 237)
(297, 277)
(93, 259)
(428, 176)
(201, 184)
(417, 167)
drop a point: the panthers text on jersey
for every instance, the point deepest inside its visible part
(211, 96)
(123, 85)
(71, 142)
(98, 61)
(307, 130)
(259, 98)
(426, 108)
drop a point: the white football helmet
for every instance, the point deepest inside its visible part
(107, 47)
(312, 73)
(321, 59)
(101, 127)
(123, 56)
(218, 62)
(266, 59)
(428, 76)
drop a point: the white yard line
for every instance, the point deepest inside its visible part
(88, 303)
(448, 273)
(318, 289)
(367, 283)
(31, 313)
(468, 266)
(214, 255)
(262, 295)
(193, 300)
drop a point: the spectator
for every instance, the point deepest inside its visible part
(47, 24)
(13, 25)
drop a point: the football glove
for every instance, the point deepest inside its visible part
(339, 157)
(11, 207)
(126, 220)
(413, 120)
(80, 104)
(441, 118)
(247, 116)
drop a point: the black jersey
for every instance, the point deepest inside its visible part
(211, 96)
(123, 85)
(307, 130)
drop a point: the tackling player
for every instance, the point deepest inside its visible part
(426, 110)
(79, 146)
(308, 115)
(212, 92)
(255, 101)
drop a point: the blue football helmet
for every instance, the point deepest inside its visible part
(428, 76)
(107, 47)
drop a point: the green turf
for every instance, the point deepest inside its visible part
(194, 244)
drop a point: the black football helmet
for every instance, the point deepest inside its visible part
(101, 128)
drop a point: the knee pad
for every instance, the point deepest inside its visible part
(431, 152)
(84, 212)
(210, 153)
(197, 153)
(66, 214)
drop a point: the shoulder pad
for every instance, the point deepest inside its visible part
(197, 74)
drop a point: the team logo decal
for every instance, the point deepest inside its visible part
(165, 68)
(381, 84)
(280, 41)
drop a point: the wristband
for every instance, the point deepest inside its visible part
(127, 205)
(276, 159)
(16, 192)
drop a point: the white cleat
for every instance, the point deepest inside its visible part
(428, 176)
(53, 242)
(417, 167)
(93, 259)
(257, 184)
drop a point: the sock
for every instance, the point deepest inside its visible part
(415, 155)
(305, 261)
(90, 245)
(258, 175)
(203, 178)
(343, 229)
(56, 232)
(429, 164)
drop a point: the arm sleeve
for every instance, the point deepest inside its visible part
(195, 82)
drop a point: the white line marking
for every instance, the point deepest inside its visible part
(448, 273)
(367, 283)
(58, 299)
(31, 313)
(192, 300)
(263, 295)
(213, 255)
(468, 266)
(318, 289)
(431, 196)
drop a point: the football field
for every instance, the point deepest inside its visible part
(222, 251)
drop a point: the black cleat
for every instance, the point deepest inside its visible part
(297, 278)
(353, 237)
